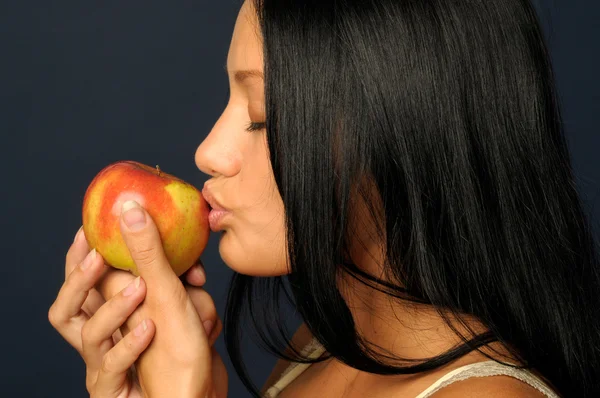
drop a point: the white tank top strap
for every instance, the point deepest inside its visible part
(488, 368)
(312, 350)
(479, 369)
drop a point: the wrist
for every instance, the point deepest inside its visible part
(180, 386)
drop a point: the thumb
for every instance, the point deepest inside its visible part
(145, 245)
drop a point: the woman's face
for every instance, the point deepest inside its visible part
(253, 237)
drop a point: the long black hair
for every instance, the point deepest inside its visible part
(448, 108)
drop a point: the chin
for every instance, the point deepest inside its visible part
(251, 255)
(261, 262)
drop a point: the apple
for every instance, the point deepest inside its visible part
(177, 208)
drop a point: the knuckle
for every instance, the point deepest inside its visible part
(218, 328)
(208, 303)
(208, 298)
(108, 363)
(53, 316)
(211, 313)
(204, 303)
(87, 334)
(145, 254)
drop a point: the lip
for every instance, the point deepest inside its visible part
(210, 199)
(217, 211)
(215, 219)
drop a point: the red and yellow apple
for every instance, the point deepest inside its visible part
(177, 208)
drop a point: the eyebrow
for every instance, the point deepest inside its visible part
(241, 75)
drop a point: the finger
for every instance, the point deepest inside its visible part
(145, 246)
(65, 314)
(205, 307)
(117, 361)
(112, 282)
(77, 252)
(97, 333)
(216, 331)
(117, 336)
(93, 302)
(195, 276)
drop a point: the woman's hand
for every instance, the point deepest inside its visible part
(91, 334)
(113, 280)
(170, 310)
(180, 361)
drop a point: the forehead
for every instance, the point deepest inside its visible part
(245, 50)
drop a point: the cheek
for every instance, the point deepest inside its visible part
(255, 246)
(255, 242)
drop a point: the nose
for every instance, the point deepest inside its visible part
(217, 155)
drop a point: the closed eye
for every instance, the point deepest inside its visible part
(256, 126)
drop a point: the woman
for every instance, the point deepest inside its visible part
(405, 170)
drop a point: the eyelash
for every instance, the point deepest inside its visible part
(256, 126)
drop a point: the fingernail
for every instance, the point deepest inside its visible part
(208, 326)
(141, 328)
(78, 233)
(89, 259)
(132, 287)
(133, 215)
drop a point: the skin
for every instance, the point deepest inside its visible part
(238, 162)
(252, 240)
(252, 243)
(113, 330)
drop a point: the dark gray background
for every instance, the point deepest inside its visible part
(87, 83)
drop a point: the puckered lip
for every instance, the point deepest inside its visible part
(210, 199)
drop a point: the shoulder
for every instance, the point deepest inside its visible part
(500, 386)
(490, 386)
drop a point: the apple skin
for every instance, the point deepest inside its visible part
(177, 208)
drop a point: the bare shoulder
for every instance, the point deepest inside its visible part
(500, 386)
(301, 337)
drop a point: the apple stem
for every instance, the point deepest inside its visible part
(158, 169)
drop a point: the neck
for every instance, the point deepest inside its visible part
(394, 327)
(402, 329)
